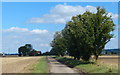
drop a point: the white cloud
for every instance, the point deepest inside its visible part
(112, 38)
(68, 11)
(12, 39)
(25, 30)
(114, 16)
(37, 31)
(60, 14)
(16, 29)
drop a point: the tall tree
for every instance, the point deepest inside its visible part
(85, 35)
(103, 25)
(88, 33)
(58, 44)
(77, 34)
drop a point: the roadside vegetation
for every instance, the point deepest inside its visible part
(41, 66)
(84, 36)
(87, 66)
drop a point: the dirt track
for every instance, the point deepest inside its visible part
(17, 64)
(57, 67)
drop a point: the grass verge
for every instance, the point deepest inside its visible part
(86, 67)
(41, 66)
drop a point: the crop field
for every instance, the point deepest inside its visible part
(17, 64)
(109, 60)
(14, 64)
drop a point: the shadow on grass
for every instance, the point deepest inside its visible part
(86, 66)
(71, 62)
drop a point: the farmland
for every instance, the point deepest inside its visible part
(109, 60)
(39, 64)
(17, 64)
(59, 37)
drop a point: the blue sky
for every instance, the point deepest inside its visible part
(60, 0)
(36, 22)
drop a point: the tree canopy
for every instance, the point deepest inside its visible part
(58, 45)
(85, 35)
(27, 49)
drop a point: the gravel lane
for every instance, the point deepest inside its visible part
(57, 67)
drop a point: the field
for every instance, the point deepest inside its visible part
(17, 64)
(109, 60)
(39, 64)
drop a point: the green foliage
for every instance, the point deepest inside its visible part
(23, 51)
(58, 45)
(102, 25)
(85, 35)
(27, 49)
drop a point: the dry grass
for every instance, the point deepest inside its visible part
(109, 60)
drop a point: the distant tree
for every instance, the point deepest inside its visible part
(29, 47)
(58, 44)
(32, 53)
(46, 53)
(25, 50)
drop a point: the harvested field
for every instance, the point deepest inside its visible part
(17, 64)
(109, 60)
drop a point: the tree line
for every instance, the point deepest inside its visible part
(84, 35)
(27, 50)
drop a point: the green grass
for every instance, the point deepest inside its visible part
(87, 67)
(41, 66)
(92, 68)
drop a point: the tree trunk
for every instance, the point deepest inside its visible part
(96, 57)
(78, 58)
(74, 58)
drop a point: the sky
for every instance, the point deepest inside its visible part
(36, 22)
(60, 0)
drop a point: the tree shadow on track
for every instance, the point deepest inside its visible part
(71, 62)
